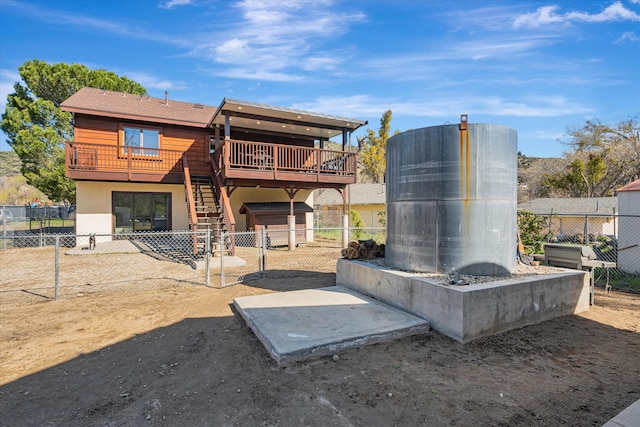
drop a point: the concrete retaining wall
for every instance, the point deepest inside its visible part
(466, 313)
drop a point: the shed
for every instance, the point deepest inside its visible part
(273, 217)
(629, 228)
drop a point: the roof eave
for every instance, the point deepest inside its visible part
(136, 117)
(335, 123)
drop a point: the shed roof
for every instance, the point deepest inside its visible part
(358, 194)
(577, 206)
(98, 102)
(632, 186)
(274, 207)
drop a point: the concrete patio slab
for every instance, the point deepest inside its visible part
(630, 417)
(310, 323)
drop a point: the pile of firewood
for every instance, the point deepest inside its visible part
(363, 249)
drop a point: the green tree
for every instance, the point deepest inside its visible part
(357, 223)
(602, 159)
(534, 232)
(9, 163)
(36, 126)
(372, 151)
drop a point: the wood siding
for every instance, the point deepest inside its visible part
(97, 154)
(195, 142)
(94, 130)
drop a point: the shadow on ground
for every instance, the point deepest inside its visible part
(213, 371)
(291, 280)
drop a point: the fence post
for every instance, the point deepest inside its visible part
(586, 230)
(223, 242)
(57, 273)
(263, 252)
(4, 227)
(207, 258)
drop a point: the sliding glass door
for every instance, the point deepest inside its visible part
(141, 211)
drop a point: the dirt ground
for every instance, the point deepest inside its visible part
(182, 356)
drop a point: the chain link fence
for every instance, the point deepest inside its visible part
(39, 266)
(25, 220)
(613, 237)
(331, 216)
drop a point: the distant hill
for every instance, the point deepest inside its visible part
(530, 171)
(9, 163)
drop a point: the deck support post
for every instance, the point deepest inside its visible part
(345, 231)
(291, 218)
(291, 222)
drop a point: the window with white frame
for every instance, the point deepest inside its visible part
(146, 138)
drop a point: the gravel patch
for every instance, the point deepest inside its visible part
(522, 270)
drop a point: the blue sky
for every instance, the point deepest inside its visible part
(536, 66)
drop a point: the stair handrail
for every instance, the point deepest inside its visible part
(223, 199)
(193, 217)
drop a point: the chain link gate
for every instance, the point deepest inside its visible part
(244, 265)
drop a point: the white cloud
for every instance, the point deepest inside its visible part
(628, 36)
(271, 39)
(7, 79)
(90, 23)
(615, 12)
(262, 75)
(347, 106)
(447, 106)
(152, 82)
(316, 63)
(171, 3)
(546, 15)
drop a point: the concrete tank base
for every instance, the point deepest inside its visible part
(466, 313)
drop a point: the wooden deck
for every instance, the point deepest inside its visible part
(98, 162)
(248, 163)
(240, 163)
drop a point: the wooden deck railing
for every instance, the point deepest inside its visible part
(285, 160)
(191, 204)
(222, 199)
(121, 161)
(235, 159)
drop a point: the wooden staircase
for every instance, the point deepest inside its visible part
(208, 209)
(208, 213)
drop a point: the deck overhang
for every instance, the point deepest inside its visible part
(269, 118)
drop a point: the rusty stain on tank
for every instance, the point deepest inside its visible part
(466, 178)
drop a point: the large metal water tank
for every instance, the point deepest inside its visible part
(452, 199)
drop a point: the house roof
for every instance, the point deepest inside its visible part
(274, 207)
(358, 194)
(578, 206)
(632, 186)
(254, 116)
(98, 102)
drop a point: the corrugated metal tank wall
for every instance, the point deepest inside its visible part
(451, 199)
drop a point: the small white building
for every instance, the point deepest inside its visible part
(629, 228)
